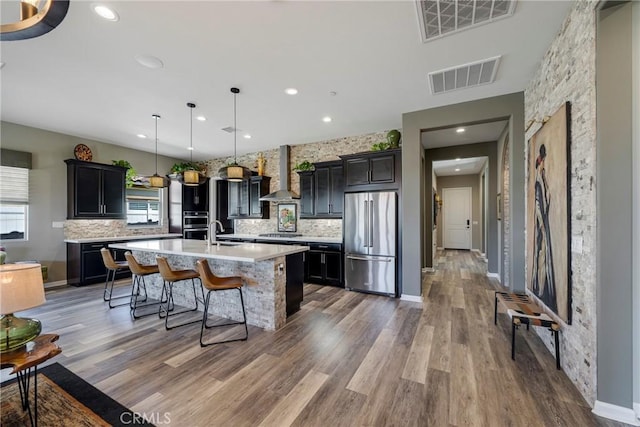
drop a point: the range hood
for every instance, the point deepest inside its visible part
(283, 194)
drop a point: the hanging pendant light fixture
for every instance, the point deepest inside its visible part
(191, 177)
(157, 181)
(234, 172)
(37, 17)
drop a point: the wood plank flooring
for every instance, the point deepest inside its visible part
(345, 359)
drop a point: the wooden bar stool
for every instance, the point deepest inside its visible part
(214, 283)
(112, 267)
(169, 277)
(139, 271)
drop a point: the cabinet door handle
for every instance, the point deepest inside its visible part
(322, 258)
(323, 246)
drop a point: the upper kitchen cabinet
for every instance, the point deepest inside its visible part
(322, 191)
(329, 189)
(95, 190)
(372, 170)
(307, 194)
(244, 198)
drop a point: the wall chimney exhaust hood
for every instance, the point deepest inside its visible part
(283, 194)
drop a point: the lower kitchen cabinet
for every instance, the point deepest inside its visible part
(85, 265)
(324, 264)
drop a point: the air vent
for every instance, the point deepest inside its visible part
(439, 18)
(468, 75)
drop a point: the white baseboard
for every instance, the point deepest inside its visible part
(494, 276)
(636, 408)
(439, 248)
(56, 284)
(428, 270)
(412, 298)
(616, 413)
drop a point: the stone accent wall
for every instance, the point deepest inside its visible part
(506, 219)
(313, 152)
(264, 289)
(567, 73)
(90, 228)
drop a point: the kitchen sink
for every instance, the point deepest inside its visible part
(226, 243)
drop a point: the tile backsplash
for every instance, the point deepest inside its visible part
(307, 227)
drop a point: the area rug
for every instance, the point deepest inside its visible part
(65, 399)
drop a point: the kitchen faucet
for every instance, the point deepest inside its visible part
(211, 238)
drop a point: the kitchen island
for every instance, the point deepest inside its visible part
(273, 275)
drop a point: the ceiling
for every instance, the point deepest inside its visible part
(360, 62)
(467, 166)
(463, 134)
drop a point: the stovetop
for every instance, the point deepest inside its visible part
(280, 235)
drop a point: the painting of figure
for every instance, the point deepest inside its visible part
(548, 213)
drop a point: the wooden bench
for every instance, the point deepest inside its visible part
(522, 310)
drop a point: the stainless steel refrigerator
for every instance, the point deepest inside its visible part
(370, 241)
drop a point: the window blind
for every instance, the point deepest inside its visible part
(14, 185)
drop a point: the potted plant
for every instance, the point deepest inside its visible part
(178, 168)
(304, 166)
(131, 172)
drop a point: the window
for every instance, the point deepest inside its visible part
(144, 207)
(14, 203)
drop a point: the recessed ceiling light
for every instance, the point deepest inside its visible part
(326, 119)
(291, 91)
(190, 148)
(247, 136)
(460, 130)
(149, 61)
(457, 169)
(106, 12)
(141, 136)
(201, 118)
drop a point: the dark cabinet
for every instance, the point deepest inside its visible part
(307, 194)
(322, 191)
(244, 198)
(222, 205)
(185, 198)
(95, 190)
(373, 170)
(329, 189)
(324, 264)
(85, 265)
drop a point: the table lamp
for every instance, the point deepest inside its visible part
(21, 288)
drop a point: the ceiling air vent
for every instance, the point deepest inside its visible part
(463, 76)
(439, 18)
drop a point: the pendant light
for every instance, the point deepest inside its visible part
(36, 18)
(157, 181)
(191, 178)
(234, 172)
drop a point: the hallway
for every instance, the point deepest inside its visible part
(471, 378)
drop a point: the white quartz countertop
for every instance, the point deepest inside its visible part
(232, 251)
(136, 237)
(301, 239)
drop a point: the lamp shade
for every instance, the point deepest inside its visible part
(21, 287)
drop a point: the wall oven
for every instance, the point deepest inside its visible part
(195, 225)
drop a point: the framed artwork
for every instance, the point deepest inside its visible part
(499, 205)
(548, 214)
(287, 219)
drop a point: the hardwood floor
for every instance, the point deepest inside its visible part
(345, 359)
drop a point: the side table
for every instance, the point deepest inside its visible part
(25, 361)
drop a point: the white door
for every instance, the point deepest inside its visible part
(456, 204)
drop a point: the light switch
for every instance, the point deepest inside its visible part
(576, 244)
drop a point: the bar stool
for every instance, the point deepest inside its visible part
(214, 283)
(139, 271)
(112, 267)
(169, 277)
